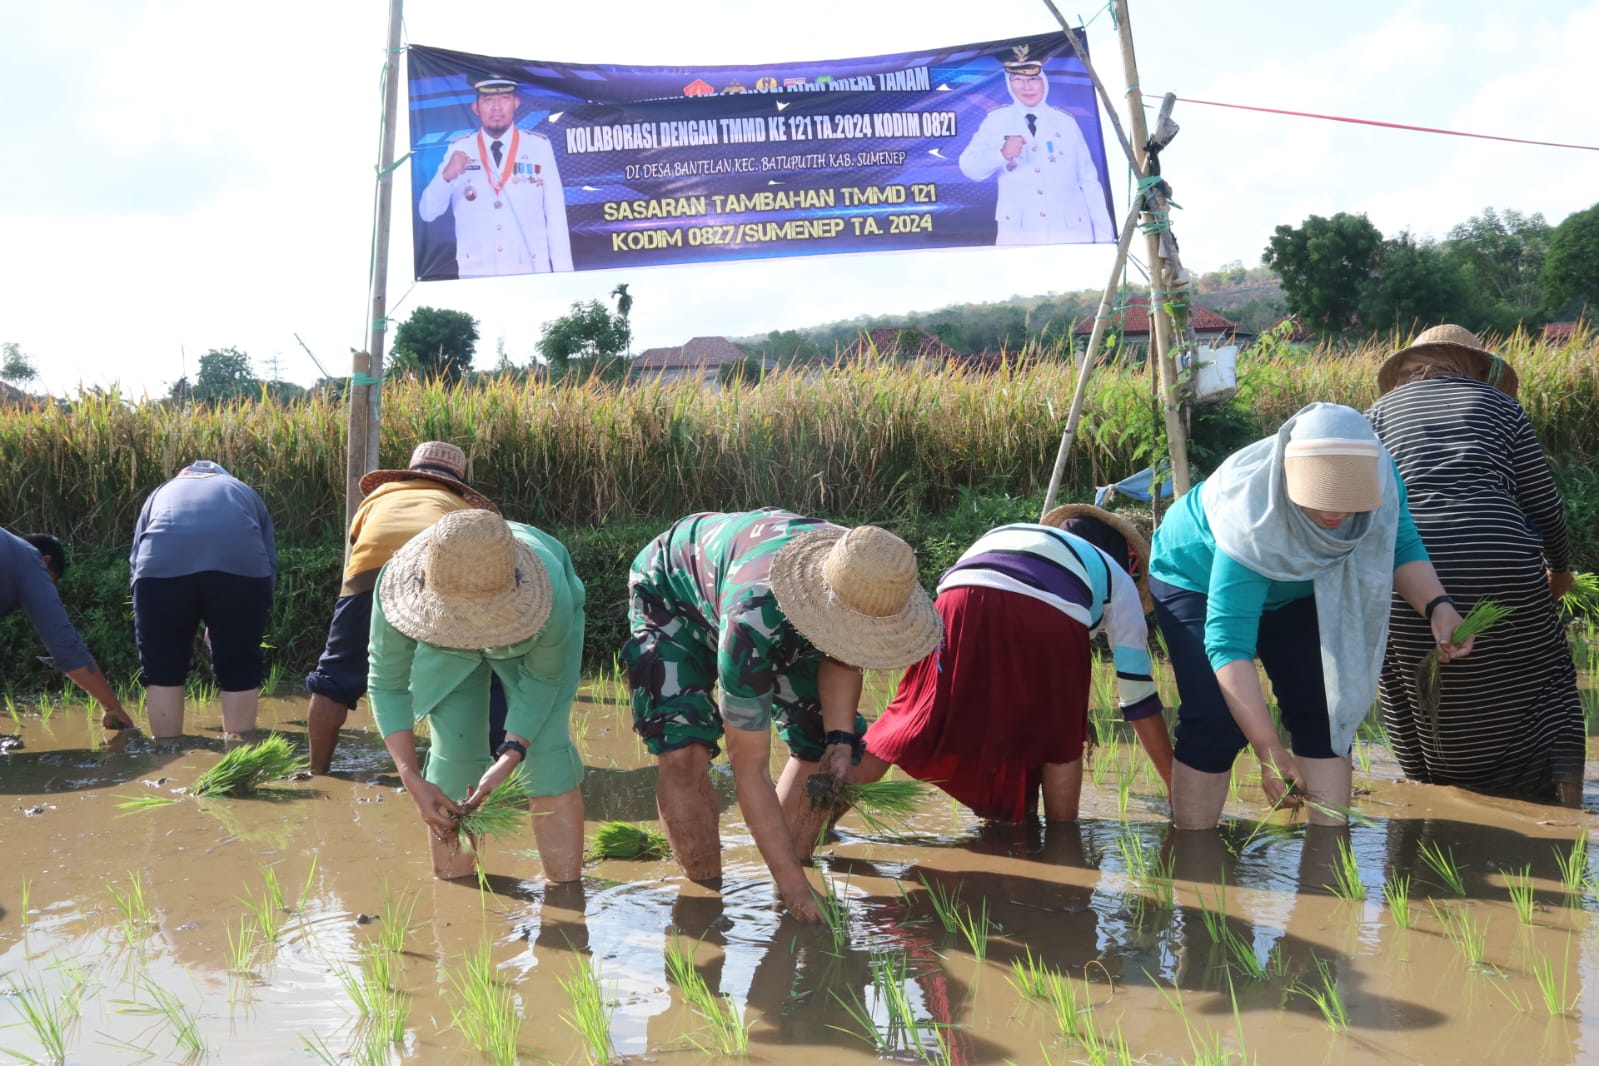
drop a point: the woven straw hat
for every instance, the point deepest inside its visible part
(438, 461)
(855, 596)
(1456, 341)
(465, 582)
(1334, 473)
(1137, 543)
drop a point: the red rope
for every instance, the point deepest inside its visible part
(1388, 125)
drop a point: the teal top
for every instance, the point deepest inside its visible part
(1185, 555)
(409, 680)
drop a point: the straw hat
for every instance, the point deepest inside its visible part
(1458, 342)
(438, 461)
(1137, 543)
(855, 596)
(466, 582)
(1334, 473)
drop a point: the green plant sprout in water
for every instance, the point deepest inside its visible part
(1347, 884)
(835, 908)
(946, 903)
(397, 916)
(901, 1034)
(974, 926)
(624, 840)
(589, 1014)
(1554, 993)
(485, 1014)
(1327, 998)
(1469, 938)
(47, 1017)
(1030, 977)
(1396, 892)
(1574, 866)
(131, 904)
(1519, 884)
(729, 1032)
(182, 1023)
(1442, 863)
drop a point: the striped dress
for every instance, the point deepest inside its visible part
(1509, 721)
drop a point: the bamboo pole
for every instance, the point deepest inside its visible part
(363, 451)
(1085, 366)
(360, 416)
(1160, 272)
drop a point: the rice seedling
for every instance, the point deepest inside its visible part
(43, 1015)
(1327, 998)
(901, 1033)
(12, 709)
(1214, 916)
(245, 948)
(624, 840)
(373, 993)
(131, 804)
(1553, 990)
(133, 907)
(305, 889)
(974, 926)
(1069, 1006)
(1030, 977)
(182, 1023)
(835, 908)
(1396, 892)
(1442, 862)
(27, 890)
(1574, 866)
(589, 1014)
(1210, 1051)
(729, 1032)
(1124, 795)
(1242, 951)
(485, 1013)
(1148, 871)
(1469, 938)
(1483, 616)
(1347, 884)
(946, 903)
(1362, 756)
(47, 708)
(885, 806)
(268, 910)
(1519, 885)
(249, 766)
(503, 811)
(397, 917)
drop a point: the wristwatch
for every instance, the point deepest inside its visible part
(843, 736)
(511, 745)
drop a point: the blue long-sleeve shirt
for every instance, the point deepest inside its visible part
(25, 586)
(203, 520)
(1185, 555)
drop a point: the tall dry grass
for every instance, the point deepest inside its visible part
(874, 440)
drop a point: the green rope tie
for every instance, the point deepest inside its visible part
(382, 171)
(364, 379)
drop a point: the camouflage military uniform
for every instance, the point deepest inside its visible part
(707, 633)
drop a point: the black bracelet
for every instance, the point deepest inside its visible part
(511, 745)
(841, 736)
(1432, 605)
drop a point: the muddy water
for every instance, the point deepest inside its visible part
(347, 853)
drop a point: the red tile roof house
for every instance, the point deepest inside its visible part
(701, 358)
(1561, 332)
(1208, 325)
(901, 342)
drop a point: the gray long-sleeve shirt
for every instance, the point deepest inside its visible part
(203, 519)
(25, 585)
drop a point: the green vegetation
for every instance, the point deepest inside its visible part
(937, 455)
(1442, 863)
(249, 766)
(485, 1013)
(729, 1032)
(1347, 884)
(885, 806)
(1327, 998)
(503, 811)
(624, 840)
(901, 1033)
(589, 1014)
(1396, 892)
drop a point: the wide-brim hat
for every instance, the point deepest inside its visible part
(466, 582)
(1334, 474)
(435, 460)
(856, 596)
(1486, 366)
(1136, 541)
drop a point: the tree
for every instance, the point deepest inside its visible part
(624, 308)
(1416, 285)
(436, 343)
(225, 374)
(1500, 257)
(1571, 272)
(1325, 264)
(16, 366)
(585, 342)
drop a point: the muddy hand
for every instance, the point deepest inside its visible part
(442, 814)
(1279, 779)
(801, 901)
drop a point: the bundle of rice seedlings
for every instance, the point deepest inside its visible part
(1481, 618)
(502, 811)
(249, 766)
(885, 806)
(624, 840)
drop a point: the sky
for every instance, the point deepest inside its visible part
(180, 177)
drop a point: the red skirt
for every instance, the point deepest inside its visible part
(1005, 694)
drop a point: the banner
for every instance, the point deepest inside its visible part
(522, 167)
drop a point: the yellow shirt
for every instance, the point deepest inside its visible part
(391, 515)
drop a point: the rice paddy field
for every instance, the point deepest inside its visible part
(301, 923)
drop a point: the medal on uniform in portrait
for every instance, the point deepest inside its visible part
(470, 193)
